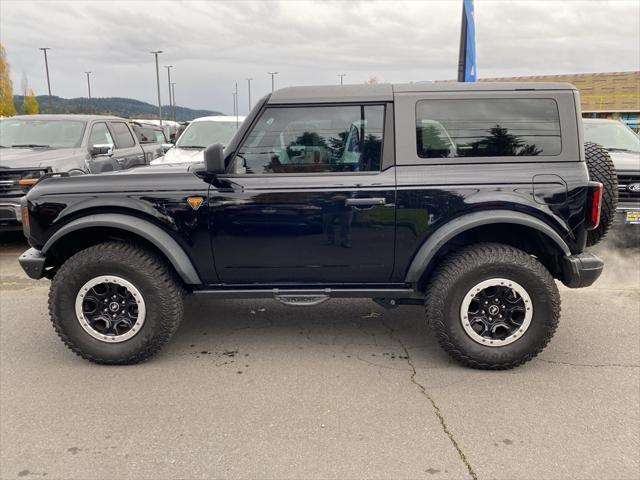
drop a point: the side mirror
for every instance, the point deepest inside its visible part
(166, 147)
(214, 159)
(101, 150)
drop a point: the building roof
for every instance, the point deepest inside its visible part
(385, 92)
(599, 92)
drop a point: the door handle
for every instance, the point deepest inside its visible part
(365, 202)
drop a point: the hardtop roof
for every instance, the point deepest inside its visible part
(384, 92)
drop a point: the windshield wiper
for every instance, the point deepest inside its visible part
(186, 147)
(31, 145)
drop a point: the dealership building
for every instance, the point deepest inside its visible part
(602, 95)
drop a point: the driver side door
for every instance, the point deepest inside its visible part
(309, 200)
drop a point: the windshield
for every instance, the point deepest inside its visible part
(612, 136)
(41, 133)
(202, 134)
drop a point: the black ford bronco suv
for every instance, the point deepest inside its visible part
(469, 199)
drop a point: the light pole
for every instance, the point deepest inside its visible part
(173, 95)
(236, 104)
(273, 74)
(249, 86)
(89, 87)
(46, 66)
(169, 67)
(155, 53)
(342, 75)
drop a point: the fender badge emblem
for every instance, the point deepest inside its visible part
(195, 202)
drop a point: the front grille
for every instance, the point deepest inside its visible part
(624, 193)
(9, 180)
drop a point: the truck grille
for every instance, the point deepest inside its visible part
(9, 180)
(625, 194)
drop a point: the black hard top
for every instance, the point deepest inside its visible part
(385, 92)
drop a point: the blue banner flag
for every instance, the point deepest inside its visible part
(467, 59)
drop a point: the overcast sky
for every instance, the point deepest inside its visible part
(214, 44)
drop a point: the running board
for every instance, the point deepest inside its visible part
(309, 297)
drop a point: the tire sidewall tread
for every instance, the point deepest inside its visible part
(602, 169)
(459, 272)
(161, 290)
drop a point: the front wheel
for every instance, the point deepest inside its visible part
(492, 306)
(115, 303)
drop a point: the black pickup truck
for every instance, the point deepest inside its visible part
(469, 199)
(32, 146)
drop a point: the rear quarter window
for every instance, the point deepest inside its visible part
(122, 135)
(503, 127)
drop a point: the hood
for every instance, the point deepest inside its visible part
(40, 157)
(180, 155)
(626, 161)
(145, 178)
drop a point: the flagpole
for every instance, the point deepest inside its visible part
(462, 57)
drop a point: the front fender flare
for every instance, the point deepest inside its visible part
(145, 229)
(440, 237)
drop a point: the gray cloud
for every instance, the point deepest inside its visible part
(214, 44)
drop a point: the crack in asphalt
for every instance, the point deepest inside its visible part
(596, 365)
(434, 405)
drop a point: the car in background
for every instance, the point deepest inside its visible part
(623, 144)
(32, 146)
(201, 133)
(151, 138)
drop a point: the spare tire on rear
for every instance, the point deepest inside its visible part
(601, 169)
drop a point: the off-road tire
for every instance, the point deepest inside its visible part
(162, 292)
(459, 272)
(601, 169)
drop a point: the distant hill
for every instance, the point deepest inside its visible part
(122, 107)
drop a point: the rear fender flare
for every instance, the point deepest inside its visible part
(172, 251)
(427, 252)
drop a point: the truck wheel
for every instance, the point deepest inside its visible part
(115, 303)
(601, 169)
(492, 306)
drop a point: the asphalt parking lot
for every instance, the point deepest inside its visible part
(255, 389)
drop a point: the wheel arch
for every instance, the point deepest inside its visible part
(512, 228)
(98, 227)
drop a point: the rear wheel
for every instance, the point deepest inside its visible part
(115, 303)
(492, 306)
(601, 169)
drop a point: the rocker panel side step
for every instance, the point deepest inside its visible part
(307, 297)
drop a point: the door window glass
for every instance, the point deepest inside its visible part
(159, 136)
(144, 134)
(487, 127)
(124, 139)
(314, 139)
(100, 135)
